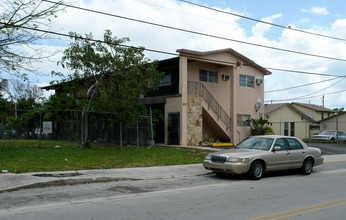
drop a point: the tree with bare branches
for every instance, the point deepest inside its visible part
(18, 38)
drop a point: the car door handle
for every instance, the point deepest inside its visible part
(288, 154)
(303, 153)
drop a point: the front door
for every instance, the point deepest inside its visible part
(174, 128)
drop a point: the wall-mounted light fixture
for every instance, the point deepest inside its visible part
(258, 104)
(238, 64)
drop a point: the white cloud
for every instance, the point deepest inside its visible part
(260, 28)
(181, 15)
(316, 10)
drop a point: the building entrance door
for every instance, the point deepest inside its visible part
(174, 128)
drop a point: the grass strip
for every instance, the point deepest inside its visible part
(19, 156)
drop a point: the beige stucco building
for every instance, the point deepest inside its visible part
(208, 95)
(299, 119)
(334, 122)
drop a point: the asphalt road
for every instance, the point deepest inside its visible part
(329, 149)
(287, 195)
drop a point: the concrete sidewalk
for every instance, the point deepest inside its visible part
(11, 182)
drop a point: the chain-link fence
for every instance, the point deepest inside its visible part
(103, 127)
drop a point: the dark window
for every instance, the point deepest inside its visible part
(166, 80)
(243, 120)
(294, 144)
(322, 115)
(246, 81)
(286, 128)
(208, 76)
(292, 128)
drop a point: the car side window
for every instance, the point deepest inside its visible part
(281, 143)
(294, 144)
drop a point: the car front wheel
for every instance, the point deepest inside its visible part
(307, 167)
(256, 170)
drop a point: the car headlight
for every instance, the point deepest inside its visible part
(237, 160)
(208, 157)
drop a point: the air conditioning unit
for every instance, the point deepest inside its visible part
(225, 77)
(259, 81)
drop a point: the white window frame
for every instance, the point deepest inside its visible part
(247, 81)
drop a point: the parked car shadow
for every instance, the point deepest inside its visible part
(266, 175)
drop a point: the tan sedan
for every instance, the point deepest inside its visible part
(259, 154)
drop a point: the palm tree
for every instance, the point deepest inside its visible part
(261, 126)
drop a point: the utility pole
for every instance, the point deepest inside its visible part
(337, 128)
(323, 100)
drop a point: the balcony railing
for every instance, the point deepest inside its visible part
(197, 88)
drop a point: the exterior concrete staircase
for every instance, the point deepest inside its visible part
(213, 114)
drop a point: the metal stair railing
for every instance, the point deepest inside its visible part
(197, 88)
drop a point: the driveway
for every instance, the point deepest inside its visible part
(328, 148)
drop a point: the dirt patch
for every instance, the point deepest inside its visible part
(58, 175)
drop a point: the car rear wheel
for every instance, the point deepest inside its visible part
(256, 170)
(307, 167)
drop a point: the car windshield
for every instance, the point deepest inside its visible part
(328, 133)
(256, 143)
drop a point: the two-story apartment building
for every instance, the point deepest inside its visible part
(208, 94)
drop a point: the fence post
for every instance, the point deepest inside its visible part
(77, 129)
(39, 146)
(337, 128)
(121, 133)
(137, 136)
(151, 128)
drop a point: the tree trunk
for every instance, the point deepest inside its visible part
(84, 130)
(84, 121)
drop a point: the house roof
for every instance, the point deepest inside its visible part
(248, 62)
(269, 108)
(315, 107)
(272, 107)
(333, 116)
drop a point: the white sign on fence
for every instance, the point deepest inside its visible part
(47, 127)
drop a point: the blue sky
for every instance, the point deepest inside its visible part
(304, 14)
(322, 17)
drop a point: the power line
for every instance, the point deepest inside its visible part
(223, 21)
(322, 89)
(169, 53)
(297, 71)
(198, 33)
(309, 95)
(175, 54)
(284, 100)
(264, 22)
(309, 84)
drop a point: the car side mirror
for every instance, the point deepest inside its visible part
(277, 148)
